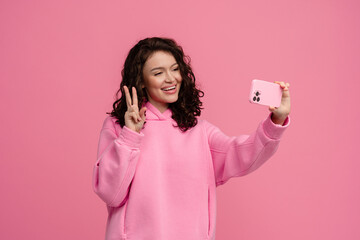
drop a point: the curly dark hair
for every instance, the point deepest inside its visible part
(186, 108)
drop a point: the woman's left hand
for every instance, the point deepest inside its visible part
(280, 113)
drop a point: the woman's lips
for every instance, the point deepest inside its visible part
(172, 91)
(169, 87)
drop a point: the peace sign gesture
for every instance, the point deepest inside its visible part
(133, 118)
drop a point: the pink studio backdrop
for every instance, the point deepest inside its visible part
(60, 64)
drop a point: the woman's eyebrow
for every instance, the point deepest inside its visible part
(161, 67)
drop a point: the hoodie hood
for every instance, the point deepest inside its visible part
(152, 113)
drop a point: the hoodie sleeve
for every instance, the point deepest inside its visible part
(238, 156)
(117, 158)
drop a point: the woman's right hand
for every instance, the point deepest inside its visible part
(134, 119)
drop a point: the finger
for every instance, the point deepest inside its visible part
(286, 86)
(279, 83)
(142, 113)
(138, 116)
(283, 85)
(127, 97)
(135, 99)
(134, 117)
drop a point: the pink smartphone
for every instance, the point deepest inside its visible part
(265, 93)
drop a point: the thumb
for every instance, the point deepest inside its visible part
(271, 108)
(143, 113)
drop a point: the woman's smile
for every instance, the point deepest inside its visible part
(170, 90)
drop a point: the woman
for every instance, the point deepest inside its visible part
(158, 166)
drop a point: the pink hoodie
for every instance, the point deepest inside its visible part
(161, 184)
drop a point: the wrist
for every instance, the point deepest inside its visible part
(132, 128)
(278, 120)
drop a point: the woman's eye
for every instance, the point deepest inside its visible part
(157, 73)
(175, 69)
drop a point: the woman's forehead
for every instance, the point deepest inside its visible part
(160, 58)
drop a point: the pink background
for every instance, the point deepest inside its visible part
(60, 64)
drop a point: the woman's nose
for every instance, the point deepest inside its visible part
(169, 77)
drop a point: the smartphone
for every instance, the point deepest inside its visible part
(265, 93)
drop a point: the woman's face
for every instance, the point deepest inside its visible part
(162, 79)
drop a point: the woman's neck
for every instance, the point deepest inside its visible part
(162, 107)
